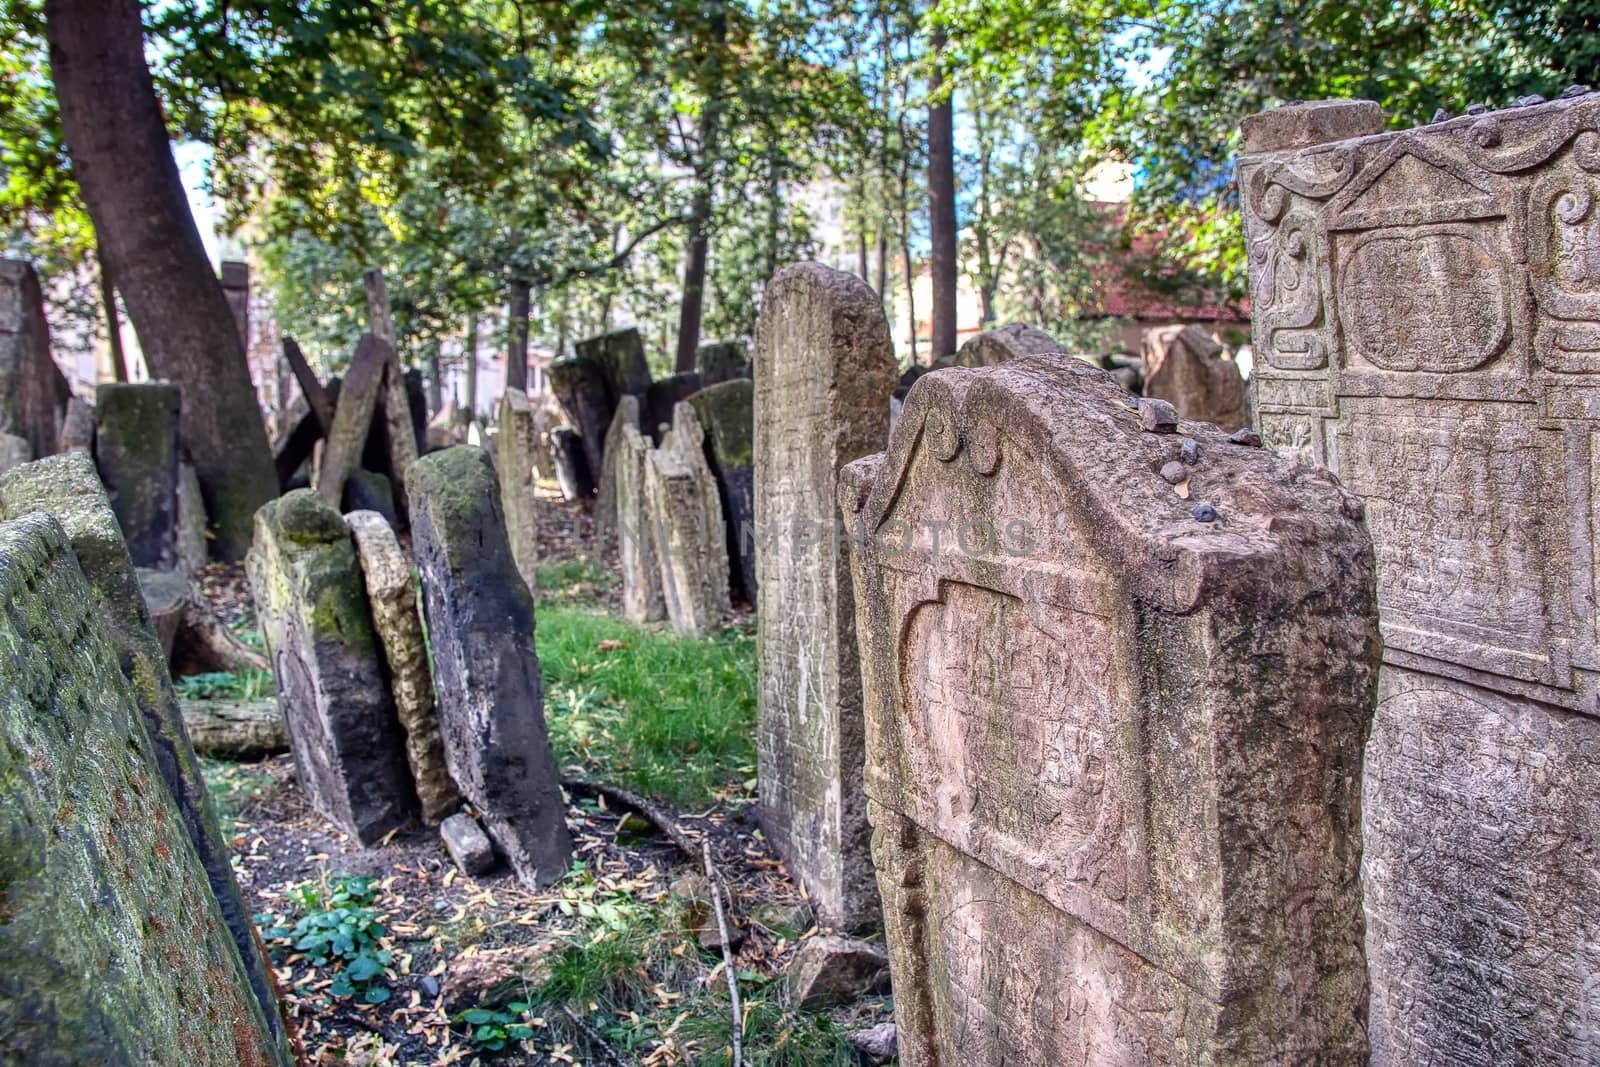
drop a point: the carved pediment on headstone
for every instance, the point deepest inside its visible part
(1413, 183)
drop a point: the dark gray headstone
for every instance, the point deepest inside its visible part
(136, 451)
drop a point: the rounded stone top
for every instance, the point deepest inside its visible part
(304, 516)
(1312, 123)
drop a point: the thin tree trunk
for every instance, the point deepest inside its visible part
(108, 301)
(470, 370)
(123, 162)
(942, 210)
(517, 337)
(699, 246)
(435, 379)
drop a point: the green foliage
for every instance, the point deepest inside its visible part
(672, 717)
(248, 684)
(578, 581)
(492, 1029)
(337, 924)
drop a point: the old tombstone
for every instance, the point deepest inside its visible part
(77, 427)
(114, 948)
(235, 277)
(352, 418)
(727, 412)
(721, 361)
(136, 451)
(518, 489)
(691, 540)
(590, 382)
(192, 549)
(996, 346)
(387, 573)
(620, 354)
(1424, 325)
(824, 369)
(1114, 730)
(642, 596)
(572, 466)
(663, 396)
(400, 396)
(491, 699)
(33, 392)
(605, 500)
(349, 748)
(1185, 366)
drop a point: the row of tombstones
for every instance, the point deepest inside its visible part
(1089, 703)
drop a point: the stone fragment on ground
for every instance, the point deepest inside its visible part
(494, 978)
(469, 847)
(879, 1043)
(829, 970)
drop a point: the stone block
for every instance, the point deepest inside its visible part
(824, 371)
(519, 496)
(830, 970)
(642, 596)
(685, 513)
(1186, 367)
(993, 347)
(136, 452)
(114, 948)
(33, 392)
(727, 411)
(387, 572)
(348, 745)
(721, 361)
(491, 699)
(1114, 733)
(469, 847)
(1424, 324)
(67, 488)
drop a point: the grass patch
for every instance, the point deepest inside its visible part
(671, 717)
(248, 684)
(574, 581)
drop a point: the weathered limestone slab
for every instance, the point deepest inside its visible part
(113, 949)
(33, 392)
(518, 486)
(727, 411)
(1184, 366)
(349, 748)
(352, 419)
(491, 699)
(192, 553)
(1424, 324)
(386, 569)
(824, 370)
(1114, 732)
(77, 428)
(605, 501)
(67, 488)
(993, 347)
(642, 596)
(721, 361)
(469, 847)
(690, 537)
(136, 452)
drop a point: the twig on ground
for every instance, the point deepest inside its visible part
(638, 804)
(727, 954)
(596, 1038)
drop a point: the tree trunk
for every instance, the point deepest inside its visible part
(942, 210)
(117, 139)
(469, 370)
(905, 247)
(699, 246)
(435, 379)
(517, 337)
(108, 301)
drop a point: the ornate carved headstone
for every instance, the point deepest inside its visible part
(1184, 366)
(824, 369)
(349, 749)
(1427, 323)
(1114, 731)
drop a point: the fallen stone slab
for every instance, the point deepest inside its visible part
(468, 845)
(830, 970)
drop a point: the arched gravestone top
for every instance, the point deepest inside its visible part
(1114, 729)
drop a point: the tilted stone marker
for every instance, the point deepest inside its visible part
(33, 392)
(387, 572)
(1425, 324)
(399, 410)
(113, 949)
(1184, 366)
(642, 596)
(1114, 733)
(721, 361)
(590, 382)
(136, 452)
(77, 429)
(824, 369)
(686, 516)
(518, 489)
(352, 419)
(727, 411)
(67, 488)
(491, 698)
(605, 501)
(349, 749)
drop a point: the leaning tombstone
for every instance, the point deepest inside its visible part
(572, 465)
(352, 418)
(518, 488)
(491, 699)
(66, 488)
(113, 948)
(685, 513)
(77, 428)
(605, 501)
(387, 572)
(993, 347)
(1185, 366)
(642, 597)
(33, 392)
(192, 550)
(727, 411)
(348, 745)
(824, 370)
(1114, 730)
(579, 384)
(136, 452)
(1424, 324)
(721, 361)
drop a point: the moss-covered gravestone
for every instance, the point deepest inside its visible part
(491, 699)
(349, 749)
(136, 451)
(727, 412)
(113, 949)
(1119, 673)
(67, 488)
